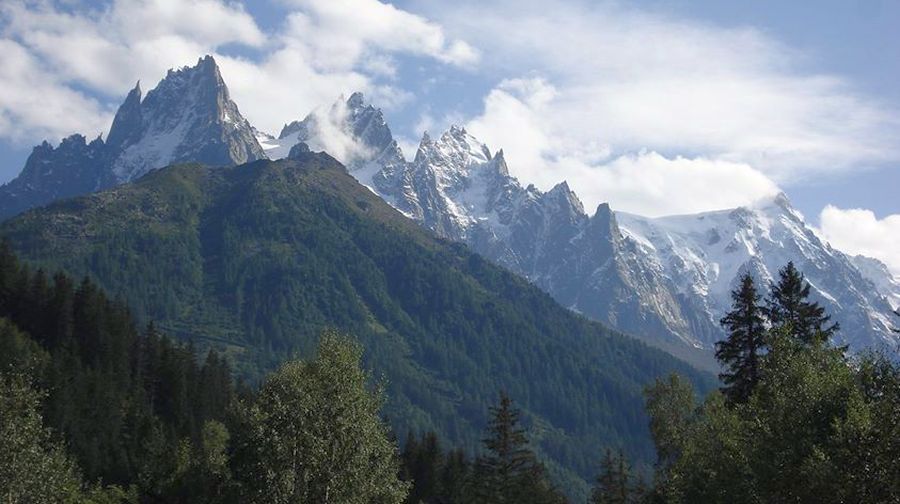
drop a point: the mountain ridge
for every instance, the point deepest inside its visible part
(594, 264)
(458, 188)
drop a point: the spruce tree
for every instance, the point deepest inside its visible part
(455, 477)
(613, 484)
(788, 308)
(510, 472)
(740, 352)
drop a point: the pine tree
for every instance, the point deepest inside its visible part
(455, 477)
(788, 308)
(740, 352)
(510, 472)
(424, 461)
(613, 484)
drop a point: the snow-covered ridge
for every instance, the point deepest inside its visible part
(666, 279)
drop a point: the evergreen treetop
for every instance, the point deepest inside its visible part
(788, 307)
(740, 352)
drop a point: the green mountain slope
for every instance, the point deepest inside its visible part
(257, 259)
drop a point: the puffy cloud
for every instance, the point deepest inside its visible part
(108, 48)
(331, 134)
(340, 33)
(519, 115)
(89, 57)
(631, 80)
(860, 231)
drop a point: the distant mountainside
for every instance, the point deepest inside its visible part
(666, 280)
(189, 116)
(258, 258)
(878, 273)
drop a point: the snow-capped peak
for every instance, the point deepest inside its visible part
(455, 152)
(189, 116)
(706, 253)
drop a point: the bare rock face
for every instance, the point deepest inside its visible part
(188, 117)
(72, 168)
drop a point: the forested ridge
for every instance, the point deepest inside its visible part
(258, 259)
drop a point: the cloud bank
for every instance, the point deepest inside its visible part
(598, 85)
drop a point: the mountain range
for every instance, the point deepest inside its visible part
(665, 280)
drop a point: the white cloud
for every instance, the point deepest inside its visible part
(518, 115)
(340, 33)
(860, 231)
(621, 81)
(107, 49)
(34, 104)
(322, 49)
(330, 130)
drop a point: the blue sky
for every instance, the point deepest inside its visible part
(655, 106)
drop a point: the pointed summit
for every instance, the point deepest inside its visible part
(500, 162)
(189, 116)
(126, 126)
(356, 100)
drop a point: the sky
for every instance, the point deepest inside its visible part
(657, 107)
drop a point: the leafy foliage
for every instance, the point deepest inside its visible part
(33, 467)
(313, 435)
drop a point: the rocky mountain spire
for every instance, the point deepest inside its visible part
(188, 117)
(127, 125)
(665, 280)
